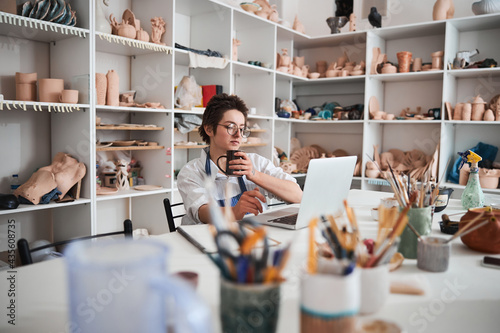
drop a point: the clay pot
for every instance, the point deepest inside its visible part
(487, 238)
(488, 178)
(299, 61)
(489, 115)
(457, 113)
(321, 66)
(127, 30)
(417, 64)
(142, 35)
(113, 95)
(297, 71)
(285, 59)
(26, 92)
(305, 70)
(389, 69)
(27, 78)
(478, 108)
(344, 73)
(466, 111)
(101, 85)
(437, 60)
(69, 96)
(314, 75)
(404, 61)
(331, 73)
(49, 90)
(389, 116)
(283, 69)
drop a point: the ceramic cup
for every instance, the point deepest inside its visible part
(69, 96)
(329, 302)
(26, 92)
(433, 254)
(230, 155)
(28, 78)
(249, 307)
(421, 219)
(49, 90)
(374, 288)
(417, 64)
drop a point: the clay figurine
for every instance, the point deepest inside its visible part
(478, 108)
(352, 22)
(495, 106)
(298, 26)
(443, 9)
(158, 29)
(375, 18)
(236, 43)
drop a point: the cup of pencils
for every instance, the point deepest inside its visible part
(421, 220)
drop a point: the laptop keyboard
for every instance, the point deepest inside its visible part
(289, 219)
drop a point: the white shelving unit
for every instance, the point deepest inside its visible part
(35, 135)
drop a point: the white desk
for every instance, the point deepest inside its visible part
(473, 306)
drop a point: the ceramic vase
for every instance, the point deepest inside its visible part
(437, 60)
(26, 86)
(486, 7)
(417, 64)
(404, 61)
(477, 111)
(299, 61)
(321, 67)
(298, 26)
(101, 86)
(487, 238)
(113, 95)
(126, 30)
(49, 90)
(466, 112)
(101, 24)
(29, 78)
(489, 115)
(457, 113)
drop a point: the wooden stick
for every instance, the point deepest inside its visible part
(470, 230)
(467, 226)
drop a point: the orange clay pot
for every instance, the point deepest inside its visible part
(487, 238)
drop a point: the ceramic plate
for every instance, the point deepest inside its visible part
(106, 190)
(104, 144)
(123, 143)
(147, 187)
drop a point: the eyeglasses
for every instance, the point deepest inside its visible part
(233, 128)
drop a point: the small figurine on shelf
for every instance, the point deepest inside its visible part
(298, 26)
(473, 196)
(158, 29)
(122, 176)
(495, 106)
(236, 43)
(443, 10)
(375, 18)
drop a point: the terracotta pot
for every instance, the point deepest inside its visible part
(417, 64)
(457, 113)
(404, 61)
(332, 73)
(487, 238)
(389, 69)
(113, 94)
(28, 78)
(321, 66)
(69, 96)
(299, 61)
(127, 30)
(437, 60)
(467, 111)
(305, 70)
(101, 85)
(49, 90)
(478, 108)
(26, 92)
(488, 178)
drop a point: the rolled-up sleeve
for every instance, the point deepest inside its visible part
(192, 191)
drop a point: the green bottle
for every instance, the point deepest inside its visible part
(473, 196)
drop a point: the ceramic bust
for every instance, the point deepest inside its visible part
(158, 29)
(443, 9)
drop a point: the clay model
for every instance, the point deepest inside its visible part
(489, 115)
(404, 61)
(466, 112)
(495, 106)
(142, 35)
(443, 10)
(26, 86)
(352, 22)
(299, 61)
(486, 7)
(236, 43)
(265, 9)
(158, 29)
(298, 26)
(375, 18)
(478, 108)
(101, 86)
(285, 59)
(63, 174)
(321, 67)
(126, 30)
(113, 94)
(457, 113)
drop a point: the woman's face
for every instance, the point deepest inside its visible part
(222, 140)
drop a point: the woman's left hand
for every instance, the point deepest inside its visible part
(243, 165)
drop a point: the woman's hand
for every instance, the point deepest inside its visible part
(249, 203)
(243, 165)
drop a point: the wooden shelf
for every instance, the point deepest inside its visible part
(130, 148)
(128, 128)
(203, 146)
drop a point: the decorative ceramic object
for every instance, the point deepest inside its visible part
(101, 24)
(113, 94)
(101, 85)
(142, 35)
(478, 108)
(285, 59)
(69, 96)
(305, 70)
(486, 238)
(158, 29)
(49, 90)
(29, 78)
(352, 22)
(250, 7)
(437, 60)
(56, 11)
(388, 68)
(299, 61)
(489, 115)
(314, 75)
(462, 58)
(343, 60)
(417, 64)
(274, 16)
(126, 30)
(443, 10)
(404, 61)
(495, 106)
(26, 86)
(488, 178)
(122, 182)
(466, 112)
(336, 23)
(321, 67)
(298, 26)
(332, 73)
(486, 7)
(457, 113)
(236, 43)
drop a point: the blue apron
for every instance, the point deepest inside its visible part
(236, 198)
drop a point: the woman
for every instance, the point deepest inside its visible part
(223, 128)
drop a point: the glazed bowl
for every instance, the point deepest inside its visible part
(250, 7)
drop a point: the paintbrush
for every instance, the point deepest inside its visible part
(436, 189)
(412, 228)
(467, 226)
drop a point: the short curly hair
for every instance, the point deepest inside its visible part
(215, 110)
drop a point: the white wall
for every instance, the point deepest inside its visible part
(313, 13)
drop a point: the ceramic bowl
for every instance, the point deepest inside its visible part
(314, 75)
(449, 228)
(250, 7)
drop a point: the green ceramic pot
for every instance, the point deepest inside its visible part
(421, 219)
(249, 307)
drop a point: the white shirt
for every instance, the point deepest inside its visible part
(190, 183)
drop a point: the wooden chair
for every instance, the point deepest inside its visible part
(25, 251)
(170, 216)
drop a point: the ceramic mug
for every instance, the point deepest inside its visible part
(433, 254)
(421, 219)
(230, 155)
(69, 96)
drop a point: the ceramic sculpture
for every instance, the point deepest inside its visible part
(466, 112)
(126, 30)
(113, 86)
(188, 94)
(375, 18)
(443, 9)
(56, 11)
(478, 108)
(69, 96)
(101, 23)
(352, 22)
(122, 176)
(158, 29)
(457, 113)
(26, 86)
(336, 23)
(321, 67)
(417, 64)
(101, 85)
(495, 106)
(63, 173)
(489, 115)
(298, 26)
(486, 7)
(236, 43)
(49, 90)
(142, 35)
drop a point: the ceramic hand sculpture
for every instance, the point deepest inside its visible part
(63, 174)
(158, 29)
(473, 196)
(375, 18)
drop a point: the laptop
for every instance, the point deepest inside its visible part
(327, 184)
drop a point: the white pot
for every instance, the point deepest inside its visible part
(101, 24)
(486, 7)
